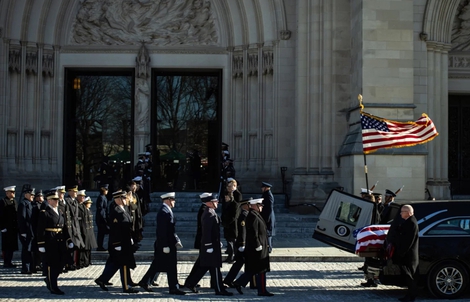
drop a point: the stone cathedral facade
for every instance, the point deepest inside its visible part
(291, 73)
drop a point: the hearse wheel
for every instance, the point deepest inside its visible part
(448, 280)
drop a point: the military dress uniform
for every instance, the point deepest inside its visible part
(25, 230)
(9, 227)
(54, 241)
(268, 212)
(102, 218)
(165, 245)
(74, 230)
(256, 251)
(210, 254)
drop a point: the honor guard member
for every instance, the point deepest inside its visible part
(90, 240)
(389, 198)
(81, 195)
(268, 212)
(256, 250)
(9, 226)
(166, 243)
(210, 254)
(38, 205)
(102, 216)
(74, 230)
(53, 241)
(25, 229)
(121, 253)
(239, 244)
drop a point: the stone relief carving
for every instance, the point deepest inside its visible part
(31, 64)
(268, 61)
(252, 64)
(459, 61)
(159, 22)
(461, 28)
(237, 67)
(48, 64)
(143, 62)
(14, 60)
(142, 99)
(285, 34)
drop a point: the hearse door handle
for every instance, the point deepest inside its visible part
(321, 229)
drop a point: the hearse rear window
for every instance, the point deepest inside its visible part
(348, 213)
(456, 226)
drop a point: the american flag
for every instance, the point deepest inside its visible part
(380, 133)
(371, 236)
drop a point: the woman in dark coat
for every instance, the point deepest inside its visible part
(256, 250)
(230, 213)
(9, 226)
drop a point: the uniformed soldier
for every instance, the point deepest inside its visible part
(53, 241)
(25, 229)
(121, 254)
(166, 243)
(74, 230)
(268, 212)
(256, 250)
(239, 244)
(82, 216)
(9, 226)
(210, 254)
(389, 198)
(38, 205)
(90, 240)
(102, 216)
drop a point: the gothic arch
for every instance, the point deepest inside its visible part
(438, 18)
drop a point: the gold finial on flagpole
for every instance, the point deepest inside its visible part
(359, 97)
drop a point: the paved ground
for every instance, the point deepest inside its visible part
(289, 281)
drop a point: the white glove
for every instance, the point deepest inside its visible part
(24, 235)
(241, 249)
(118, 248)
(210, 250)
(42, 249)
(4, 230)
(221, 245)
(179, 245)
(71, 245)
(166, 250)
(132, 242)
(259, 248)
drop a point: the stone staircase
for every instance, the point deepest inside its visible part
(288, 225)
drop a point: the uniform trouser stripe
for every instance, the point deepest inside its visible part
(124, 277)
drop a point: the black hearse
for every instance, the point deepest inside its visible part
(444, 231)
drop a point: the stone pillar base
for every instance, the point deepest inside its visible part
(439, 189)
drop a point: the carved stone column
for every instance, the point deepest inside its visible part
(142, 100)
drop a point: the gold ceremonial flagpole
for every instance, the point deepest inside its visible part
(359, 98)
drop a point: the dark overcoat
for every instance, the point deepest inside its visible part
(166, 237)
(256, 235)
(406, 248)
(72, 217)
(230, 213)
(25, 213)
(9, 221)
(210, 238)
(102, 213)
(268, 207)
(120, 235)
(90, 239)
(197, 239)
(54, 242)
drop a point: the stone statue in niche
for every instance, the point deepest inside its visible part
(142, 99)
(159, 22)
(461, 28)
(31, 64)
(143, 62)
(14, 60)
(48, 64)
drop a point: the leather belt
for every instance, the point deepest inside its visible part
(57, 230)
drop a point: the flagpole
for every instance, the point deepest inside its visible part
(361, 106)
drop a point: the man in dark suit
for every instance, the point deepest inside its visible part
(25, 229)
(210, 254)
(256, 250)
(165, 246)
(121, 253)
(9, 226)
(53, 241)
(406, 251)
(102, 216)
(268, 211)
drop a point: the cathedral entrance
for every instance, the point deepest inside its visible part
(186, 130)
(98, 123)
(459, 144)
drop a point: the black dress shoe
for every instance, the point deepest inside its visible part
(177, 292)
(47, 284)
(223, 293)
(57, 291)
(145, 286)
(238, 287)
(132, 283)
(360, 268)
(191, 288)
(130, 291)
(10, 265)
(108, 283)
(101, 284)
(266, 294)
(369, 283)
(156, 284)
(229, 284)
